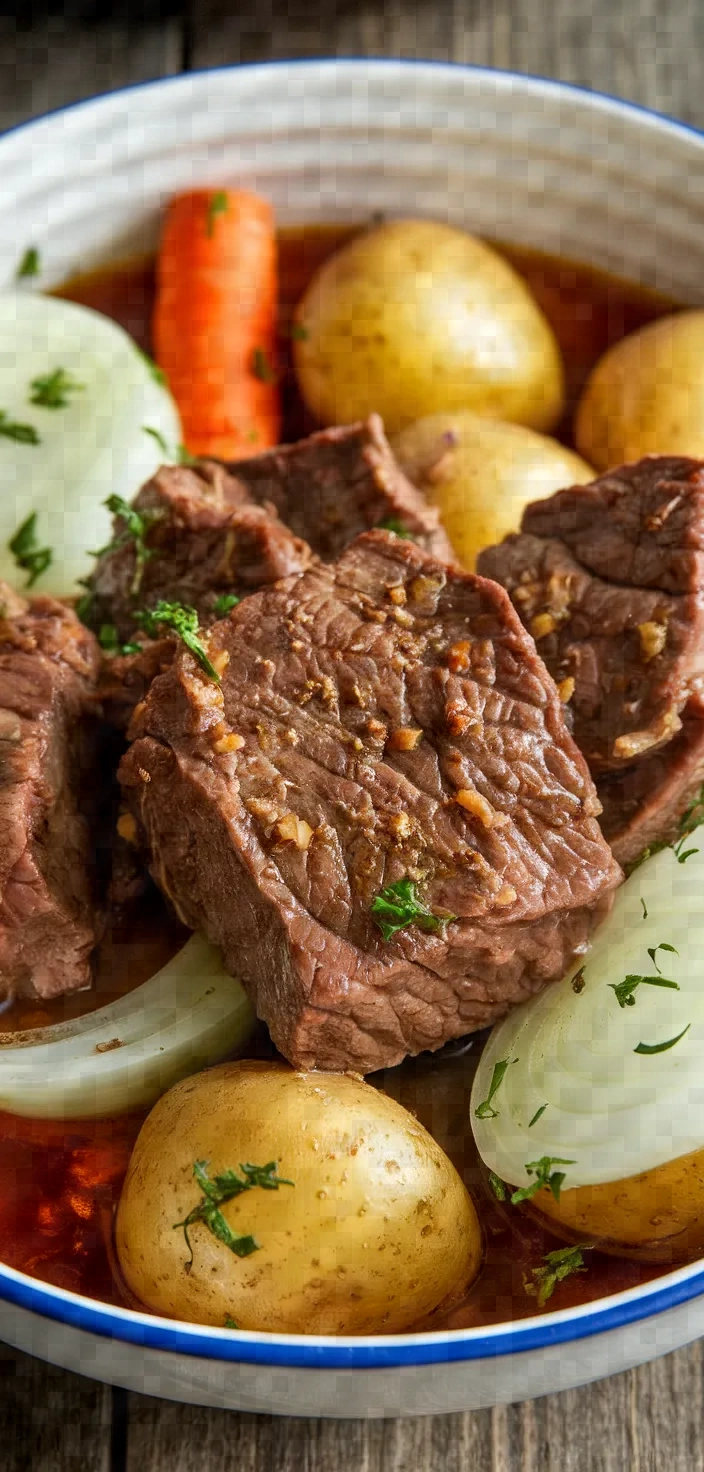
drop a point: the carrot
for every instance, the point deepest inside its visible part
(215, 320)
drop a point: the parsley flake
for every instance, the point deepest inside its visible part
(485, 1110)
(218, 204)
(497, 1185)
(53, 389)
(136, 526)
(395, 525)
(224, 603)
(231, 1323)
(32, 559)
(663, 946)
(662, 1047)
(185, 457)
(12, 429)
(578, 982)
(109, 640)
(30, 265)
(159, 439)
(544, 1176)
(557, 1265)
(221, 1189)
(624, 990)
(157, 373)
(261, 367)
(398, 906)
(645, 909)
(298, 332)
(184, 622)
(537, 1115)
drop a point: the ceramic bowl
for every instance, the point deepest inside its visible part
(510, 156)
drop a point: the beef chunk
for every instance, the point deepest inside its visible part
(610, 580)
(204, 536)
(48, 874)
(338, 483)
(381, 718)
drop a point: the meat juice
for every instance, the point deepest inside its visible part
(60, 1182)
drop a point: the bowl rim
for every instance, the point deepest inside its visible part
(382, 1352)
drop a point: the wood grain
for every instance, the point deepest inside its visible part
(649, 1420)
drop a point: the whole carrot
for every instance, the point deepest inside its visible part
(215, 320)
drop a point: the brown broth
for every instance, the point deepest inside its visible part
(59, 1182)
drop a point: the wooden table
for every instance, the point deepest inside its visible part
(650, 1420)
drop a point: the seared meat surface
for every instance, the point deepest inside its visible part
(48, 769)
(340, 482)
(385, 717)
(610, 580)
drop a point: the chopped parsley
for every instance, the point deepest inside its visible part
(261, 367)
(223, 603)
(393, 524)
(157, 373)
(159, 439)
(578, 982)
(33, 560)
(109, 641)
(13, 429)
(136, 527)
(624, 990)
(544, 1176)
(218, 204)
(663, 946)
(298, 332)
(231, 1323)
(692, 818)
(557, 1265)
(398, 906)
(183, 620)
(54, 389)
(645, 909)
(497, 1185)
(485, 1110)
(662, 1047)
(185, 457)
(217, 1192)
(537, 1115)
(30, 265)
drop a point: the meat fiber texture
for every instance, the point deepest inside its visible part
(610, 580)
(204, 537)
(381, 718)
(49, 920)
(338, 483)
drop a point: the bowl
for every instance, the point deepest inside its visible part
(515, 157)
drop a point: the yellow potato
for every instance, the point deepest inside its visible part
(376, 1230)
(414, 317)
(646, 395)
(481, 474)
(657, 1216)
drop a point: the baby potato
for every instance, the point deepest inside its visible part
(657, 1216)
(481, 474)
(646, 395)
(414, 317)
(375, 1230)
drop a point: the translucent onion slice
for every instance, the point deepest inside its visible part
(122, 1057)
(611, 1110)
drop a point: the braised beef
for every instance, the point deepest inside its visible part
(49, 882)
(610, 580)
(382, 718)
(340, 482)
(204, 537)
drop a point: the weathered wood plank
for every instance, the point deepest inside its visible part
(51, 1421)
(646, 50)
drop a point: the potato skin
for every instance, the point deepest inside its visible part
(415, 317)
(482, 473)
(646, 395)
(376, 1231)
(657, 1216)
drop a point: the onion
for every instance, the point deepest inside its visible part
(122, 1057)
(611, 1111)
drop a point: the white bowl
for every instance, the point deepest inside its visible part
(531, 161)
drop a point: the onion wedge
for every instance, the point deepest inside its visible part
(125, 1055)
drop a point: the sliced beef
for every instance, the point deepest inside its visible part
(48, 862)
(610, 580)
(382, 718)
(340, 482)
(204, 537)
